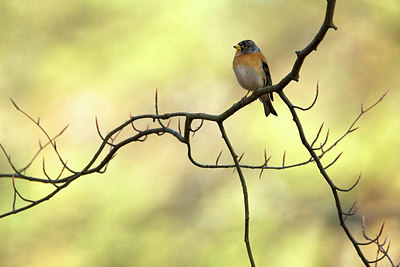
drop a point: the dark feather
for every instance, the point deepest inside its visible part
(268, 80)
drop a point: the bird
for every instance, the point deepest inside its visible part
(252, 71)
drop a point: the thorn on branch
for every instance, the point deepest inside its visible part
(133, 127)
(283, 159)
(156, 106)
(333, 162)
(318, 133)
(321, 146)
(266, 159)
(261, 172)
(240, 158)
(15, 105)
(179, 126)
(326, 138)
(98, 128)
(353, 210)
(384, 241)
(265, 155)
(218, 157)
(333, 26)
(352, 130)
(156, 102)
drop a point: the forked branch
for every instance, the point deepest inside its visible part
(160, 124)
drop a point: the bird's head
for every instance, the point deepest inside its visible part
(246, 47)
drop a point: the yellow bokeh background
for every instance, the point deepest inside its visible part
(69, 61)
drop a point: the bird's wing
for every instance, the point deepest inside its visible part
(267, 74)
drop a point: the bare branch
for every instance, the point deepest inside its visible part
(52, 142)
(283, 159)
(98, 128)
(9, 162)
(218, 157)
(351, 129)
(352, 210)
(318, 133)
(321, 146)
(198, 128)
(351, 187)
(312, 104)
(47, 176)
(20, 196)
(109, 147)
(333, 162)
(245, 194)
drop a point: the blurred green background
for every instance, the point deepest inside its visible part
(69, 61)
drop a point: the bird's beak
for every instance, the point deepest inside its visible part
(238, 48)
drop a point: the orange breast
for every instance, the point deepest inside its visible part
(248, 71)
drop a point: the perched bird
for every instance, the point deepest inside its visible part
(252, 72)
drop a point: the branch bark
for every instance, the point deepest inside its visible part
(98, 165)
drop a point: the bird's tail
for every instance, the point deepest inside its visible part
(268, 108)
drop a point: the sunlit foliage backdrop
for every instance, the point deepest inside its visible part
(68, 61)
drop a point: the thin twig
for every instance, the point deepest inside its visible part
(245, 194)
(52, 142)
(313, 103)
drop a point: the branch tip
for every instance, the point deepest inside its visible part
(283, 159)
(219, 155)
(179, 125)
(313, 103)
(261, 172)
(15, 105)
(240, 158)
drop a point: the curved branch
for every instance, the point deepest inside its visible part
(184, 137)
(312, 104)
(323, 172)
(245, 193)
